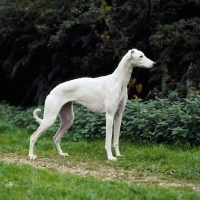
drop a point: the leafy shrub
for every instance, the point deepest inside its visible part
(163, 121)
(49, 42)
(88, 124)
(17, 116)
(158, 121)
(4, 127)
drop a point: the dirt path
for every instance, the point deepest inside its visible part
(97, 170)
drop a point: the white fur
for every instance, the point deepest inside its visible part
(106, 94)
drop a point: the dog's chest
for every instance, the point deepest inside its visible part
(122, 94)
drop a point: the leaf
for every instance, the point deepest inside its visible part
(138, 87)
(108, 8)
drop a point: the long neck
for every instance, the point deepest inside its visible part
(122, 73)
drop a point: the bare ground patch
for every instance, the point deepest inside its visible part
(98, 170)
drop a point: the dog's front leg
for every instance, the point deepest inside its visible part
(117, 124)
(109, 125)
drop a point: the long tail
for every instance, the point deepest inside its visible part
(37, 119)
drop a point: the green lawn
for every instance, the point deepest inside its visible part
(24, 182)
(143, 172)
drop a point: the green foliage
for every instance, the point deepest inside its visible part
(158, 121)
(4, 126)
(45, 43)
(87, 124)
(163, 121)
(18, 117)
(176, 41)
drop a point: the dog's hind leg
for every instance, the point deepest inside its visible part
(66, 116)
(46, 123)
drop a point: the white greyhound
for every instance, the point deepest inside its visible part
(106, 94)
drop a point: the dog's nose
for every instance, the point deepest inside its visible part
(154, 63)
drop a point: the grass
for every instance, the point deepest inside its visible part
(25, 182)
(137, 174)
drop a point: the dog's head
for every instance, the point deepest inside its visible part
(138, 59)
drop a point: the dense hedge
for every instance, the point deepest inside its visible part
(160, 121)
(44, 43)
(163, 121)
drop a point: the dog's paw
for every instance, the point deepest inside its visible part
(112, 158)
(32, 157)
(64, 154)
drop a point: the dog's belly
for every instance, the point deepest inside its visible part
(95, 104)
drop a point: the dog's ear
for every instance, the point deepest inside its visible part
(129, 54)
